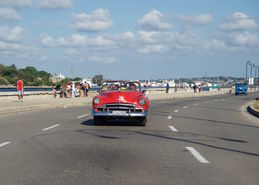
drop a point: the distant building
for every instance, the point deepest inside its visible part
(57, 78)
(89, 81)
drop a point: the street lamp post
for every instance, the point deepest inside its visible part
(251, 74)
(251, 71)
(256, 75)
(247, 63)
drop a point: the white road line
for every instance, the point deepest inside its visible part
(48, 128)
(197, 155)
(185, 107)
(82, 116)
(4, 143)
(169, 117)
(215, 100)
(176, 111)
(222, 99)
(207, 102)
(196, 104)
(173, 128)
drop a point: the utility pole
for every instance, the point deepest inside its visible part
(72, 72)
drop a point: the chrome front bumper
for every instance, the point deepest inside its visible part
(116, 114)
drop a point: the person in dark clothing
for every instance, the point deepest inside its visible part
(167, 87)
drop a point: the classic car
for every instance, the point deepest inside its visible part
(120, 100)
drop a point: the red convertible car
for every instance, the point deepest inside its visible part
(120, 100)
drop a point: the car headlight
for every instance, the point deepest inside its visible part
(141, 102)
(96, 100)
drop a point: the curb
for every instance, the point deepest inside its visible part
(41, 107)
(252, 110)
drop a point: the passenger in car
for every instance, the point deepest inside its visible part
(132, 87)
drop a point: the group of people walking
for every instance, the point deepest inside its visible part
(69, 90)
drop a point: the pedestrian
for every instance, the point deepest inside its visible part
(195, 88)
(167, 87)
(63, 90)
(20, 89)
(54, 91)
(69, 90)
(199, 87)
(87, 87)
(81, 90)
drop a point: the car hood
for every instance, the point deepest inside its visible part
(120, 96)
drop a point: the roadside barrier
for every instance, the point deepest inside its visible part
(252, 110)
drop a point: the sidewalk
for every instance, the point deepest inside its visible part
(31, 103)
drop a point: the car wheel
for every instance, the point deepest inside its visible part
(98, 120)
(143, 121)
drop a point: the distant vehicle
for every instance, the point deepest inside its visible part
(120, 100)
(240, 88)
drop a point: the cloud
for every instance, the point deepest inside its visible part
(152, 49)
(56, 4)
(18, 3)
(202, 19)
(149, 37)
(12, 35)
(48, 41)
(9, 14)
(77, 40)
(5, 46)
(215, 44)
(98, 20)
(154, 20)
(239, 21)
(245, 39)
(48, 4)
(105, 60)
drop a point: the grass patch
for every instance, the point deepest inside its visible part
(256, 105)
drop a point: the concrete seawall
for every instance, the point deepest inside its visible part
(32, 102)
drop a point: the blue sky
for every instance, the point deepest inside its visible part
(131, 39)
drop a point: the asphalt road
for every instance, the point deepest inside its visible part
(198, 141)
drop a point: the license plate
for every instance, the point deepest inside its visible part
(118, 112)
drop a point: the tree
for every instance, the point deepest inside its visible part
(76, 79)
(97, 79)
(3, 81)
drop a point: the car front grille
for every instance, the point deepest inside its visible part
(129, 108)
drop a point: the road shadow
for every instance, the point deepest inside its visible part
(118, 123)
(209, 121)
(220, 108)
(198, 143)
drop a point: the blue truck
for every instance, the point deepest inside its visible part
(240, 88)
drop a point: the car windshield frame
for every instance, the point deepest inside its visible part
(118, 85)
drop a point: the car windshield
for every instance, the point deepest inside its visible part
(120, 86)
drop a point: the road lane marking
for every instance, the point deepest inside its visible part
(197, 155)
(176, 111)
(4, 143)
(185, 107)
(173, 128)
(169, 117)
(48, 128)
(196, 104)
(207, 102)
(83, 116)
(222, 99)
(215, 100)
